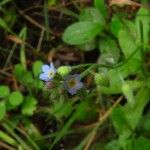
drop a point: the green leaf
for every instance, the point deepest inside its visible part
(2, 110)
(113, 145)
(101, 6)
(80, 109)
(36, 68)
(15, 98)
(146, 123)
(141, 143)
(4, 91)
(109, 50)
(38, 84)
(128, 45)
(27, 79)
(29, 106)
(81, 32)
(93, 15)
(142, 25)
(18, 71)
(91, 45)
(128, 93)
(116, 25)
(62, 109)
(132, 67)
(119, 120)
(133, 114)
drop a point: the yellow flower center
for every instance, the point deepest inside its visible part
(71, 83)
(51, 74)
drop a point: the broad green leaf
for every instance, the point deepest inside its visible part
(2, 110)
(36, 68)
(29, 106)
(119, 120)
(15, 98)
(131, 28)
(128, 45)
(142, 25)
(132, 67)
(133, 114)
(101, 6)
(109, 50)
(81, 32)
(146, 123)
(91, 45)
(126, 119)
(141, 143)
(93, 15)
(4, 91)
(128, 93)
(116, 25)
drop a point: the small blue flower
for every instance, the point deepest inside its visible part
(72, 83)
(48, 72)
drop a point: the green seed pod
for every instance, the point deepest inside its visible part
(64, 70)
(102, 80)
(128, 93)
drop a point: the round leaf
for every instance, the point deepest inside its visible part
(18, 71)
(15, 98)
(4, 91)
(37, 68)
(81, 32)
(29, 106)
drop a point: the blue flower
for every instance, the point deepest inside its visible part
(48, 72)
(72, 83)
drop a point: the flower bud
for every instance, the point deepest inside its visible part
(64, 70)
(102, 80)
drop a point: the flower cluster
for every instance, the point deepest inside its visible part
(72, 83)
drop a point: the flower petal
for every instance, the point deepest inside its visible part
(72, 91)
(79, 85)
(45, 68)
(44, 77)
(52, 67)
(77, 77)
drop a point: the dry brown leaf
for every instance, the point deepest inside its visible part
(122, 3)
(15, 39)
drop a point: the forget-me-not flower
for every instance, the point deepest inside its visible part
(48, 72)
(72, 83)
